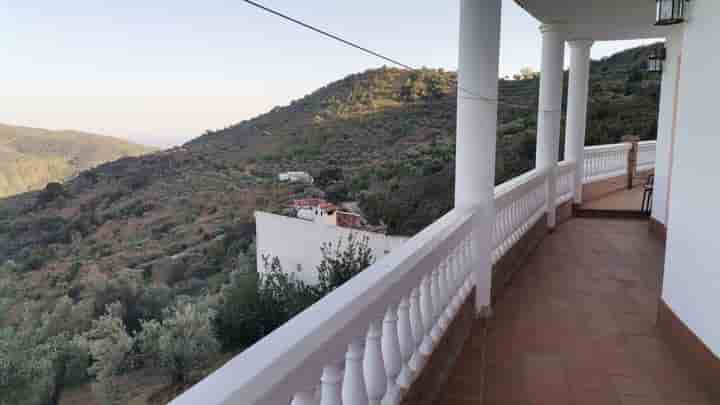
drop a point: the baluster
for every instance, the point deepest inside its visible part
(418, 329)
(331, 386)
(407, 343)
(446, 284)
(436, 292)
(436, 298)
(457, 277)
(353, 387)
(471, 262)
(304, 398)
(427, 311)
(392, 355)
(443, 319)
(373, 365)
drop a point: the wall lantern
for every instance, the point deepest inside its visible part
(670, 12)
(656, 59)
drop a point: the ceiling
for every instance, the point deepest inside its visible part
(601, 20)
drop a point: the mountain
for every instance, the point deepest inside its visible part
(30, 158)
(144, 230)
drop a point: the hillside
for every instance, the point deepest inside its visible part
(32, 157)
(146, 230)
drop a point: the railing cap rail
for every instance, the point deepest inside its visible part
(609, 147)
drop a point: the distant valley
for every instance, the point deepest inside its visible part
(30, 158)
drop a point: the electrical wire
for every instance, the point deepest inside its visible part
(469, 94)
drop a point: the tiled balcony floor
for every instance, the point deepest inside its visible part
(618, 201)
(577, 326)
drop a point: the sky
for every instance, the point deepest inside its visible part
(162, 72)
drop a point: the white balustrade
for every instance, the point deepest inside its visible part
(519, 203)
(605, 161)
(565, 181)
(646, 155)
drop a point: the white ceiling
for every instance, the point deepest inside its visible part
(600, 20)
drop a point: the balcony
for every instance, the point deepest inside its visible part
(574, 313)
(577, 326)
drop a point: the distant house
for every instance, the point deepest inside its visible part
(296, 177)
(323, 212)
(307, 203)
(348, 219)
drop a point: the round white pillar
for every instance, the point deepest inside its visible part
(550, 109)
(478, 74)
(576, 122)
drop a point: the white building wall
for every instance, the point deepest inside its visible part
(666, 120)
(297, 242)
(692, 269)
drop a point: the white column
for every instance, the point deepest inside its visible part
(478, 73)
(550, 105)
(666, 124)
(576, 124)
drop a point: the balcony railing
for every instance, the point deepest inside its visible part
(519, 203)
(605, 161)
(646, 155)
(371, 337)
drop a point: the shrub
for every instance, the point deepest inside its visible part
(109, 345)
(183, 341)
(253, 305)
(341, 263)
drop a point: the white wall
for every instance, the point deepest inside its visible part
(692, 264)
(297, 242)
(666, 121)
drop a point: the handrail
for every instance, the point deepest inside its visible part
(431, 270)
(608, 147)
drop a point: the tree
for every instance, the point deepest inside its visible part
(182, 342)
(109, 345)
(341, 262)
(252, 305)
(39, 357)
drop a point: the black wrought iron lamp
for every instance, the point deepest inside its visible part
(656, 59)
(670, 12)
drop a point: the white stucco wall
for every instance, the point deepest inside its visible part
(297, 242)
(673, 45)
(692, 268)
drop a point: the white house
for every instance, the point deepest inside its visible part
(296, 243)
(296, 177)
(322, 212)
(383, 336)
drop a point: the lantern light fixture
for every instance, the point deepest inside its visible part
(656, 59)
(670, 12)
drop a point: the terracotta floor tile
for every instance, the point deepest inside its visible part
(577, 326)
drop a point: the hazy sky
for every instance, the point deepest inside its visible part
(161, 72)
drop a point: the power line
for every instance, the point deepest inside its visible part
(327, 34)
(470, 94)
